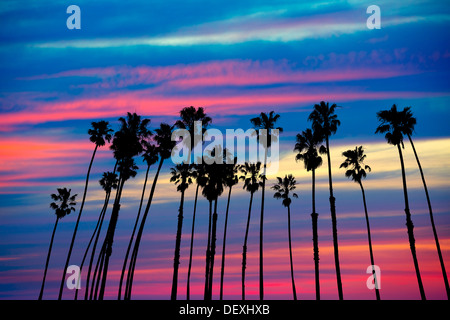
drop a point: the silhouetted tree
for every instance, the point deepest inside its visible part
(252, 181)
(354, 163)
(391, 125)
(266, 122)
(188, 117)
(98, 134)
(231, 179)
(127, 143)
(108, 182)
(407, 128)
(325, 123)
(163, 139)
(63, 206)
(150, 156)
(284, 187)
(182, 177)
(308, 148)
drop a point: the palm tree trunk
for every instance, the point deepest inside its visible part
(176, 260)
(222, 271)
(290, 254)
(244, 248)
(61, 286)
(213, 250)
(110, 238)
(96, 230)
(261, 223)
(314, 217)
(410, 226)
(436, 239)
(130, 243)
(377, 291)
(334, 226)
(48, 259)
(134, 255)
(188, 286)
(208, 253)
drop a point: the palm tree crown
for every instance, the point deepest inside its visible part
(100, 132)
(108, 181)
(283, 189)
(355, 161)
(64, 204)
(267, 122)
(182, 176)
(189, 116)
(251, 176)
(324, 120)
(307, 147)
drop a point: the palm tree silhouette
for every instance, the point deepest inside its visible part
(266, 122)
(127, 143)
(407, 127)
(325, 123)
(163, 139)
(391, 124)
(199, 173)
(252, 181)
(354, 163)
(98, 134)
(64, 206)
(150, 156)
(108, 182)
(307, 147)
(283, 188)
(231, 179)
(188, 117)
(181, 176)
(212, 190)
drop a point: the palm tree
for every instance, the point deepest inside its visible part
(107, 182)
(354, 163)
(252, 181)
(212, 190)
(127, 143)
(231, 179)
(407, 127)
(98, 134)
(199, 174)
(391, 124)
(265, 122)
(182, 176)
(188, 117)
(307, 147)
(283, 188)
(325, 123)
(150, 156)
(163, 139)
(64, 206)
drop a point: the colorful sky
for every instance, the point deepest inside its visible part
(235, 59)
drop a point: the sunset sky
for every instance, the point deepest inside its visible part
(235, 59)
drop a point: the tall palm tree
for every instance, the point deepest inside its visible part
(284, 187)
(231, 179)
(163, 139)
(407, 127)
(64, 206)
(150, 156)
(308, 149)
(108, 182)
(250, 174)
(127, 143)
(199, 174)
(391, 124)
(188, 117)
(212, 190)
(98, 134)
(356, 169)
(266, 122)
(181, 176)
(325, 123)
